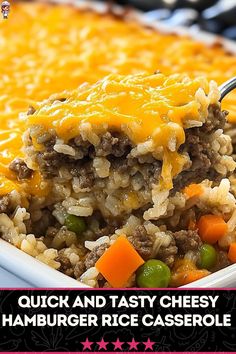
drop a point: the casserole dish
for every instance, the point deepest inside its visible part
(16, 166)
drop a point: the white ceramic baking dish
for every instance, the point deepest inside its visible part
(33, 271)
(42, 276)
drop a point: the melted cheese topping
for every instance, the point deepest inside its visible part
(144, 105)
(155, 108)
(40, 55)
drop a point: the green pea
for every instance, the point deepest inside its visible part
(75, 224)
(208, 256)
(153, 274)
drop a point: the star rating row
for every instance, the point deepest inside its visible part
(133, 345)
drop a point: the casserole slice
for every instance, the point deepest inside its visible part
(115, 158)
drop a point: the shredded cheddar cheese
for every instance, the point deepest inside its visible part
(154, 108)
(143, 104)
(46, 49)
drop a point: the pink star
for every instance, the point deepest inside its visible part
(133, 344)
(102, 344)
(87, 344)
(148, 344)
(117, 344)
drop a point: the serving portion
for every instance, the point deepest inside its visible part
(119, 162)
(119, 180)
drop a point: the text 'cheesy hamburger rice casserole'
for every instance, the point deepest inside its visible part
(122, 177)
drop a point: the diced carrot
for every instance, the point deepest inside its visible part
(119, 262)
(183, 265)
(193, 190)
(211, 228)
(183, 278)
(185, 271)
(232, 252)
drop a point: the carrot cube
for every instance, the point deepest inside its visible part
(232, 252)
(211, 228)
(119, 262)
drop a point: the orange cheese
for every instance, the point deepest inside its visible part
(40, 55)
(142, 103)
(142, 106)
